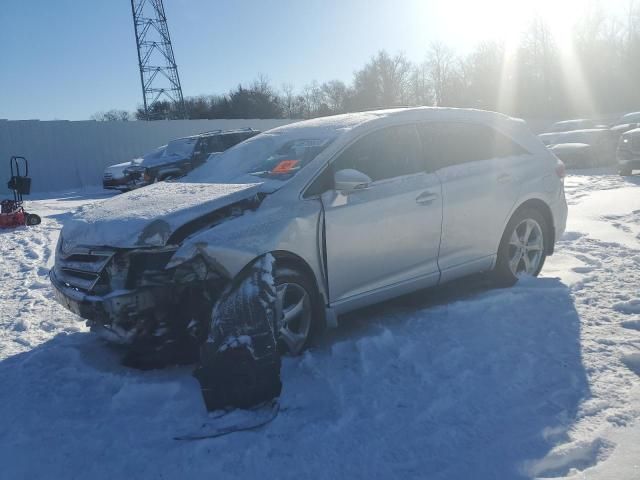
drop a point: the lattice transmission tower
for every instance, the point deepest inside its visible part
(158, 69)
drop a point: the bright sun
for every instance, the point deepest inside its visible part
(506, 20)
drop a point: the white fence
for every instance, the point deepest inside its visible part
(68, 155)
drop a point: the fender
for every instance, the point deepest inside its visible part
(290, 228)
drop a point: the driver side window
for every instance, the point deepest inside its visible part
(387, 153)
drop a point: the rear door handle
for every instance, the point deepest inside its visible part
(426, 198)
(504, 178)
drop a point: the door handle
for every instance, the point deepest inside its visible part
(426, 198)
(504, 178)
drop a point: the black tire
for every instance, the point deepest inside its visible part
(240, 364)
(502, 274)
(288, 275)
(625, 171)
(33, 219)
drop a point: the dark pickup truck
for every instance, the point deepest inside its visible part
(174, 160)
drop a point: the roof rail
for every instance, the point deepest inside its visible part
(231, 130)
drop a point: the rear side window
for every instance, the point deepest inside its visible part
(446, 144)
(387, 153)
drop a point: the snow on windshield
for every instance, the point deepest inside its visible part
(182, 147)
(153, 156)
(279, 153)
(275, 155)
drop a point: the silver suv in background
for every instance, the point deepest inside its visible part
(351, 210)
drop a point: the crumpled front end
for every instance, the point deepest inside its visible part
(129, 296)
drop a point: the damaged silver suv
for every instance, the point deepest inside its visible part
(355, 209)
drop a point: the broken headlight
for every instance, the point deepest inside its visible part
(147, 268)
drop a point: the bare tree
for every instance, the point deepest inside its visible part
(288, 99)
(440, 65)
(420, 89)
(111, 116)
(335, 94)
(383, 82)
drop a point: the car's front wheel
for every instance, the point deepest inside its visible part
(298, 310)
(522, 249)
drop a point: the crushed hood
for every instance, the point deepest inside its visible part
(148, 216)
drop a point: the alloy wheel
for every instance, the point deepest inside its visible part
(526, 248)
(293, 311)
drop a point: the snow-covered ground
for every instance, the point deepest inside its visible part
(461, 382)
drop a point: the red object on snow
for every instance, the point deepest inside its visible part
(16, 218)
(12, 212)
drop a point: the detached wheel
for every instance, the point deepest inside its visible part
(298, 310)
(33, 219)
(522, 248)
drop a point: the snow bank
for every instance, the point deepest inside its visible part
(69, 155)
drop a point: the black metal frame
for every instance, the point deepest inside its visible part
(159, 82)
(19, 184)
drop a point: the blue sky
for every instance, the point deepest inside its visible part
(68, 59)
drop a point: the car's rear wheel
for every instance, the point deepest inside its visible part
(298, 310)
(522, 249)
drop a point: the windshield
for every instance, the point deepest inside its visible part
(182, 147)
(153, 155)
(277, 156)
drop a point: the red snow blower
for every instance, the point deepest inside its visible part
(12, 212)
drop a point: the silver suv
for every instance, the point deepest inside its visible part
(355, 209)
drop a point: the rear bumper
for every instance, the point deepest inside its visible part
(560, 212)
(627, 157)
(633, 163)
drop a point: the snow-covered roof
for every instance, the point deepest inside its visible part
(348, 121)
(574, 120)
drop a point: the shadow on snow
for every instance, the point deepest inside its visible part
(456, 382)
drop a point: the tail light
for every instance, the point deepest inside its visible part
(561, 171)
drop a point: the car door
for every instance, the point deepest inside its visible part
(383, 238)
(477, 166)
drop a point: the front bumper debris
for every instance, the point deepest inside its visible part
(124, 314)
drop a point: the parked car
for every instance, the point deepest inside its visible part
(633, 117)
(576, 124)
(115, 178)
(601, 141)
(575, 155)
(179, 157)
(628, 153)
(625, 123)
(352, 210)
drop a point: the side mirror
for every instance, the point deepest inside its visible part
(349, 179)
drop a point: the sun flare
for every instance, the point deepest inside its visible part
(506, 21)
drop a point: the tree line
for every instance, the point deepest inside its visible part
(599, 73)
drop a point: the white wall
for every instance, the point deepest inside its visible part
(67, 155)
